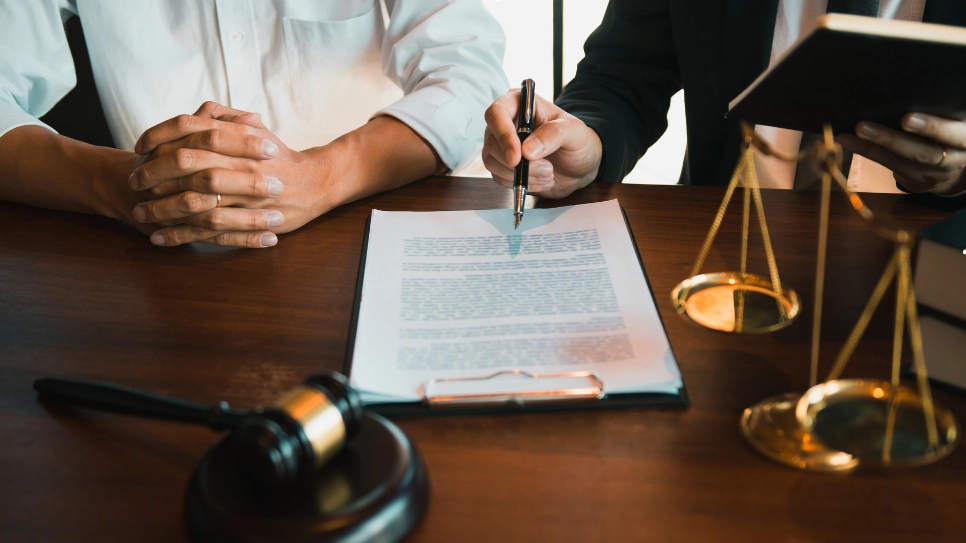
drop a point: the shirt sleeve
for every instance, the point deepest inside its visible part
(36, 68)
(625, 82)
(447, 56)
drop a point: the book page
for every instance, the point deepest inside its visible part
(461, 294)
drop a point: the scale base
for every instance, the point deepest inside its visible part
(376, 489)
(773, 430)
(852, 415)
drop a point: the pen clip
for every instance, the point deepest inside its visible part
(525, 118)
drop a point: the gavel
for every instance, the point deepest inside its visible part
(277, 445)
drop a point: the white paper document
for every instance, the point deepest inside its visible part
(462, 294)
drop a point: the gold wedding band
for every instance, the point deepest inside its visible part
(218, 196)
(943, 159)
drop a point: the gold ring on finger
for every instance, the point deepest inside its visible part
(943, 159)
(218, 196)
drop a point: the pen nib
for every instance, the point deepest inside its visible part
(516, 221)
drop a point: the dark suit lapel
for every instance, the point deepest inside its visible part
(945, 12)
(748, 32)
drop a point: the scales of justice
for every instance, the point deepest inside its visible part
(839, 424)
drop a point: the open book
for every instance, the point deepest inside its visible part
(849, 69)
(449, 298)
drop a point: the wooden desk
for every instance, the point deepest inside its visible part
(88, 297)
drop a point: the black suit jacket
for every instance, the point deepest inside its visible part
(645, 51)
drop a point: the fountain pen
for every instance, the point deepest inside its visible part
(521, 174)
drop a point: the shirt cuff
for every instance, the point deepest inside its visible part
(13, 117)
(441, 119)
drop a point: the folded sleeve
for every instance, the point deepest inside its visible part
(36, 68)
(447, 56)
(624, 84)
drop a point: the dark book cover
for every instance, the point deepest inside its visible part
(849, 69)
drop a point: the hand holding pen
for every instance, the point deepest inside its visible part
(563, 153)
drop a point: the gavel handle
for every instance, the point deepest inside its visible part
(131, 401)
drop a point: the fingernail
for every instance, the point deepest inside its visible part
(545, 170)
(269, 148)
(916, 122)
(535, 147)
(275, 219)
(868, 131)
(139, 214)
(157, 238)
(268, 240)
(274, 186)
(133, 181)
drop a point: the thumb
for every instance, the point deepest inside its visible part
(551, 136)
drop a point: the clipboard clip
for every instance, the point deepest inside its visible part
(512, 386)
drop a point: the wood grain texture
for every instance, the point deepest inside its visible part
(88, 297)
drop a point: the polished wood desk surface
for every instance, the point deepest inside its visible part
(88, 297)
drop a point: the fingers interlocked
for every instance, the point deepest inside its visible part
(198, 167)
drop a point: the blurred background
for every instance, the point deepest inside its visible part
(529, 53)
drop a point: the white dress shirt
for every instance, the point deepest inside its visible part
(795, 17)
(314, 69)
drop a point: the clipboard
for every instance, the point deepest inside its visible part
(586, 390)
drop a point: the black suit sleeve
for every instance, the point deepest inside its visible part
(625, 82)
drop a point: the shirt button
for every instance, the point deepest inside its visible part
(238, 35)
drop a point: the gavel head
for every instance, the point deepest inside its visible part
(303, 430)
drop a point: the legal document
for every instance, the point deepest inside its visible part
(461, 294)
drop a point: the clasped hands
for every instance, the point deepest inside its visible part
(928, 155)
(220, 176)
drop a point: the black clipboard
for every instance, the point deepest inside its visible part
(420, 409)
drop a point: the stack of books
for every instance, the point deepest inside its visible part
(941, 292)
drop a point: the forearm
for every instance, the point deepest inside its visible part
(43, 169)
(381, 155)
